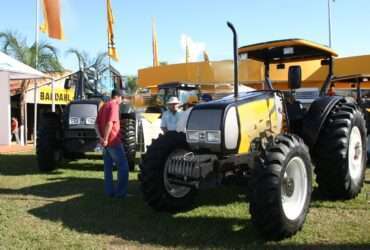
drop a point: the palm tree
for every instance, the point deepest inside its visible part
(86, 64)
(12, 44)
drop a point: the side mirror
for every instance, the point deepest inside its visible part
(67, 83)
(294, 77)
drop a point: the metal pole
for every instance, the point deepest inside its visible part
(109, 59)
(36, 62)
(25, 120)
(329, 22)
(53, 95)
(236, 59)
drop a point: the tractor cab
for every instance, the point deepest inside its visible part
(183, 91)
(290, 51)
(356, 86)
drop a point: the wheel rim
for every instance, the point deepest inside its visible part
(355, 154)
(294, 188)
(174, 190)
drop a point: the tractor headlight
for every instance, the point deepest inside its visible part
(90, 120)
(74, 120)
(214, 137)
(192, 136)
(231, 129)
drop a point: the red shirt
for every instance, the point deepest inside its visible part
(14, 124)
(110, 113)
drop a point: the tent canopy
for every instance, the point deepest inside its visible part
(18, 70)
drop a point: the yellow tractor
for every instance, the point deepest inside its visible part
(267, 138)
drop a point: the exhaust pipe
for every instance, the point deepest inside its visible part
(236, 59)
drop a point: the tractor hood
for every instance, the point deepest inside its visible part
(82, 114)
(230, 124)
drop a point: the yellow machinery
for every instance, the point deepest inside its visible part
(267, 138)
(216, 76)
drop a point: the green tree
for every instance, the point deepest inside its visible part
(85, 61)
(131, 82)
(14, 45)
(97, 65)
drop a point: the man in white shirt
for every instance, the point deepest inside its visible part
(171, 116)
(181, 123)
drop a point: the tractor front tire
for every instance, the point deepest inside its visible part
(128, 131)
(281, 188)
(157, 191)
(340, 153)
(48, 149)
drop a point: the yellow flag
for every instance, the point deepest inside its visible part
(52, 24)
(112, 52)
(154, 44)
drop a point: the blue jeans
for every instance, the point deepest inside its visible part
(117, 155)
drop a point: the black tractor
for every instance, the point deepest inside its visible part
(69, 134)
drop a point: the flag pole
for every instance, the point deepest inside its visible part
(36, 64)
(329, 22)
(108, 43)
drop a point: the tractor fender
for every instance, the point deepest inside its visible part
(127, 111)
(316, 117)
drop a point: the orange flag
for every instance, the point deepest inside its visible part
(52, 19)
(154, 43)
(111, 46)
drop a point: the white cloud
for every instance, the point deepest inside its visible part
(195, 48)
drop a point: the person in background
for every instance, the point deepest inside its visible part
(15, 130)
(108, 130)
(171, 116)
(331, 91)
(183, 119)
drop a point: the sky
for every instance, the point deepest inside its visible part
(202, 22)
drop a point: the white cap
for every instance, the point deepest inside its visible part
(173, 100)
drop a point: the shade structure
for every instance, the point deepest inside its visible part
(17, 69)
(11, 69)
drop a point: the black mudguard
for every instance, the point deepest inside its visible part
(127, 111)
(316, 116)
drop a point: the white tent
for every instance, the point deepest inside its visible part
(11, 69)
(18, 70)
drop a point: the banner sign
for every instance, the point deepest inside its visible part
(44, 95)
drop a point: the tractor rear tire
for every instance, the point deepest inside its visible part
(48, 150)
(153, 181)
(340, 153)
(128, 132)
(281, 188)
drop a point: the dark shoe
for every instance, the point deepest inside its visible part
(120, 195)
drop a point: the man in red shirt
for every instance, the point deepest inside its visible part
(14, 129)
(108, 130)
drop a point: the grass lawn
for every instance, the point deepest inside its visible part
(67, 209)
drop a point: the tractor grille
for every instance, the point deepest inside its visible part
(180, 167)
(81, 134)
